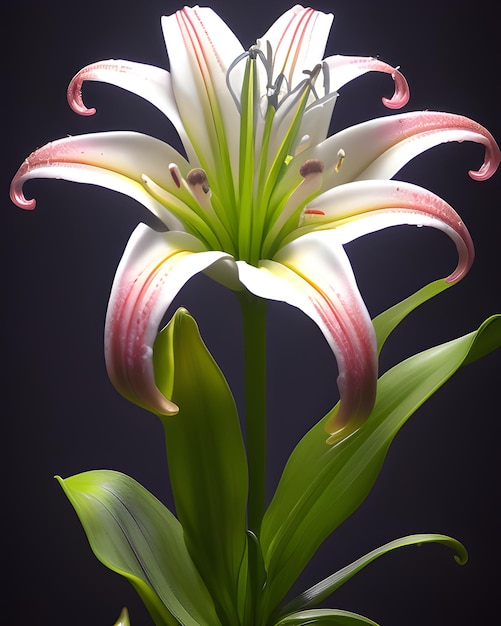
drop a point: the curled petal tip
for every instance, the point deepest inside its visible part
(163, 406)
(492, 157)
(74, 92)
(461, 128)
(16, 189)
(490, 164)
(401, 94)
(346, 68)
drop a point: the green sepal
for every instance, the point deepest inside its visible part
(322, 485)
(135, 535)
(323, 589)
(326, 617)
(206, 457)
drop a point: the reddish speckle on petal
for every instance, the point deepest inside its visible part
(313, 212)
(433, 122)
(94, 71)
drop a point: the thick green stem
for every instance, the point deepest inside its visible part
(254, 325)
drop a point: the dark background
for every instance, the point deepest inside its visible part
(62, 416)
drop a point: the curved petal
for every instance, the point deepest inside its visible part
(153, 269)
(313, 274)
(343, 69)
(297, 39)
(115, 160)
(379, 148)
(408, 135)
(316, 121)
(150, 82)
(201, 48)
(364, 207)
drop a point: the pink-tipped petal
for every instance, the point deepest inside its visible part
(115, 160)
(201, 49)
(344, 69)
(379, 148)
(313, 274)
(150, 82)
(472, 132)
(153, 269)
(363, 207)
(412, 133)
(297, 39)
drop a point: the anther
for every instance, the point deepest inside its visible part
(341, 155)
(311, 166)
(175, 174)
(198, 186)
(198, 177)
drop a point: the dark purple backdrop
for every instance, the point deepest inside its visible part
(63, 416)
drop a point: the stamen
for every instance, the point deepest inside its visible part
(275, 89)
(341, 155)
(253, 53)
(199, 188)
(311, 166)
(198, 177)
(327, 78)
(292, 213)
(175, 174)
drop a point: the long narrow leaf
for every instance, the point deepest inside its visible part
(322, 485)
(135, 535)
(326, 587)
(326, 617)
(206, 457)
(386, 322)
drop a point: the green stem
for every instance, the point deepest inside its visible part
(254, 326)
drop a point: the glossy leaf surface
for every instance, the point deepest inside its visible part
(324, 588)
(322, 485)
(135, 535)
(206, 456)
(327, 617)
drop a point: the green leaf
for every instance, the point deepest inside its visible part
(326, 587)
(135, 535)
(332, 617)
(206, 456)
(386, 322)
(123, 618)
(322, 485)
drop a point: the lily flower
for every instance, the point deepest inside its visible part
(263, 200)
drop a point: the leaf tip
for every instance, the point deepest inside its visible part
(123, 618)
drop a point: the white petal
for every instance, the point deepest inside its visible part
(316, 120)
(115, 160)
(343, 69)
(201, 48)
(298, 39)
(150, 82)
(153, 269)
(379, 148)
(363, 207)
(313, 274)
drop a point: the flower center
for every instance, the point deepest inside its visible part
(249, 209)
